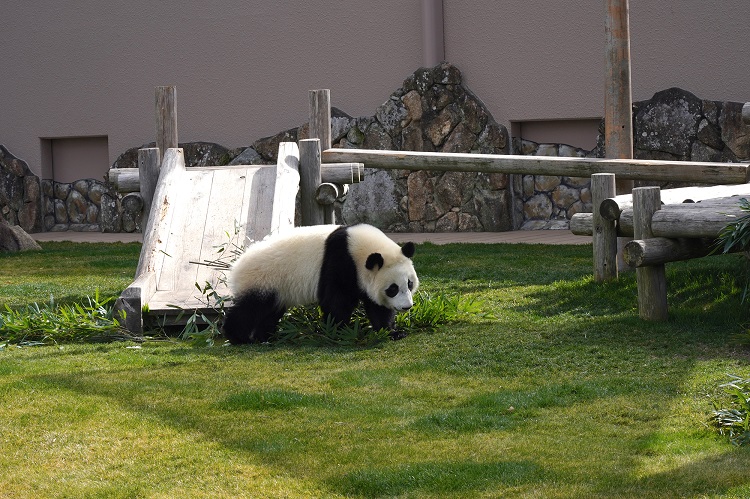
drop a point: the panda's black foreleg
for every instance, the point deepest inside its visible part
(382, 318)
(338, 309)
(252, 318)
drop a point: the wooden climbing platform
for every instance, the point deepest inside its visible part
(194, 212)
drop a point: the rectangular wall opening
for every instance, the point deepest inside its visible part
(68, 159)
(576, 133)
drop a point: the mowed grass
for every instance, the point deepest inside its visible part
(562, 392)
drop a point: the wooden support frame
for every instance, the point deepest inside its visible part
(148, 177)
(652, 280)
(604, 231)
(312, 213)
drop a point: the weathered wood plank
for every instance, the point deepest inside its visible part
(678, 171)
(148, 178)
(186, 231)
(286, 187)
(165, 198)
(223, 213)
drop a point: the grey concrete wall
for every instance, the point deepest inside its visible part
(243, 68)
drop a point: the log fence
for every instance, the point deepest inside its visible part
(662, 233)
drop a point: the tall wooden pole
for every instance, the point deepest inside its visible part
(320, 128)
(320, 117)
(618, 97)
(166, 119)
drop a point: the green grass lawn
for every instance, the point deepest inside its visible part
(563, 392)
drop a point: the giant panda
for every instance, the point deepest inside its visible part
(335, 266)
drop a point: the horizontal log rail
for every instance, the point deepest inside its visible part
(631, 169)
(612, 207)
(699, 220)
(128, 179)
(661, 250)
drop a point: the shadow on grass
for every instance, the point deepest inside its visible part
(436, 478)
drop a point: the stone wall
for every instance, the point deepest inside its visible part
(20, 193)
(431, 111)
(548, 201)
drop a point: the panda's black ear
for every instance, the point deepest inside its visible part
(373, 260)
(408, 250)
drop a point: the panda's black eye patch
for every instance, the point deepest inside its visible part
(392, 290)
(410, 285)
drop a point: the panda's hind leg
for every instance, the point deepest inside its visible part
(252, 318)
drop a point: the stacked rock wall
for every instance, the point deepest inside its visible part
(20, 193)
(432, 111)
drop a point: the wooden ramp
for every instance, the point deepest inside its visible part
(193, 211)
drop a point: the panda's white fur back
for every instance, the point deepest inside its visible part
(289, 264)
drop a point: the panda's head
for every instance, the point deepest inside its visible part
(392, 279)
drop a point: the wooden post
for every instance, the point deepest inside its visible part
(320, 128)
(618, 99)
(320, 117)
(148, 175)
(604, 231)
(309, 169)
(166, 119)
(652, 280)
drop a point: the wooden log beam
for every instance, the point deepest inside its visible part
(746, 113)
(690, 221)
(612, 207)
(652, 280)
(125, 179)
(697, 220)
(342, 173)
(635, 169)
(582, 224)
(661, 250)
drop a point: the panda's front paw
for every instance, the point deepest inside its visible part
(397, 335)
